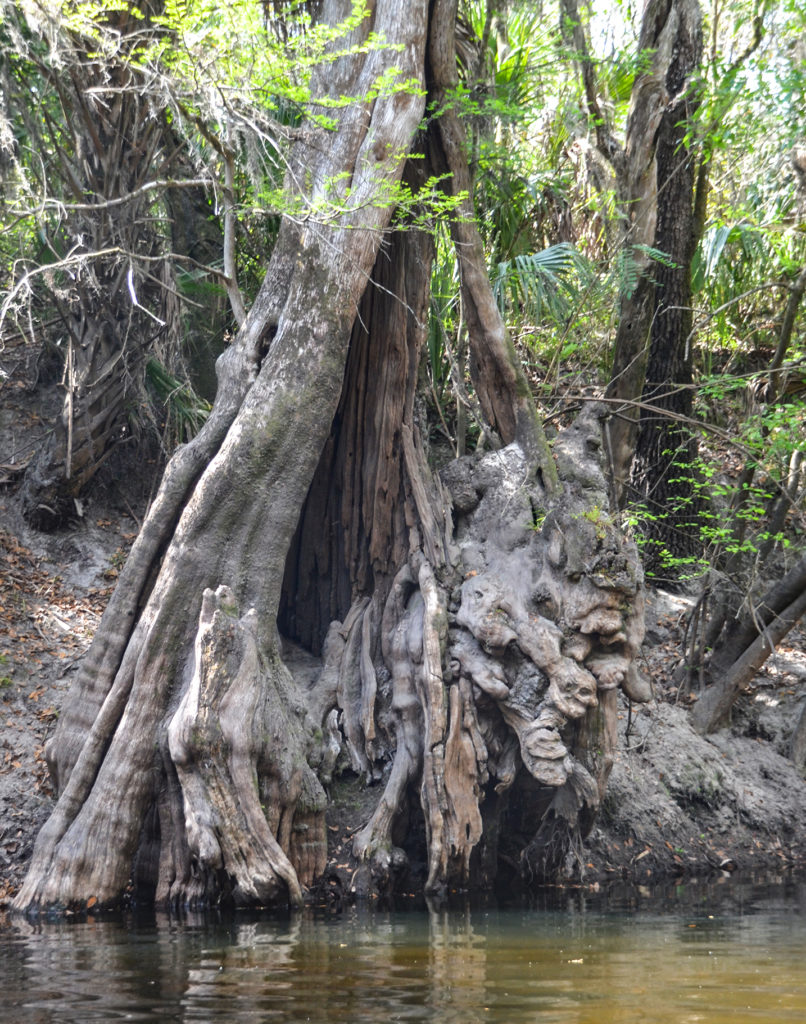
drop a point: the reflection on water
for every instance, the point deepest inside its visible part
(702, 955)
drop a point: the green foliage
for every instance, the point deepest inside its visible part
(5, 681)
(729, 517)
(619, 71)
(629, 266)
(443, 314)
(226, 57)
(184, 410)
(737, 272)
(517, 138)
(599, 519)
(231, 84)
(235, 81)
(541, 285)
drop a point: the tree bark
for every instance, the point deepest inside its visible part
(663, 467)
(671, 31)
(471, 628)
(742, 643)
(715, 703)
(243, 480)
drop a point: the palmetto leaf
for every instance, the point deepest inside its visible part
(186, 410)
(716, 258)
(631, 263)
(541, 285)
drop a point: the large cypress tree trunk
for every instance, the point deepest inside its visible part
(471, 630)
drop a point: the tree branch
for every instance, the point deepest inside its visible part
(716, 702)
(573, 32)
(106, 204)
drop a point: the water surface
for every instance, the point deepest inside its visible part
(698, 954)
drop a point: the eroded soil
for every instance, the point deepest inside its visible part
(677, 804)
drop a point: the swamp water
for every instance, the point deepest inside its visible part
(698, 954)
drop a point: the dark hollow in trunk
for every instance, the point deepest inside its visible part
(456, 640)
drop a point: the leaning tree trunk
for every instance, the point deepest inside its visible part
(473, 630)
(745, 643)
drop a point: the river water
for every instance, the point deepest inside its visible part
(695, 954)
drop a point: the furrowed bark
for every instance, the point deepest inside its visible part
(251, 490)
(454, 639)
(234, 743)
(663, 470)
(671, 35)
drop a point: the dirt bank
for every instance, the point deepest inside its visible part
(677, 804)
(52, 594)
(681, 804)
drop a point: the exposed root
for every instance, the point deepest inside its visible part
(510, 660)
(402, 648)
(556, 849)
(235, 739)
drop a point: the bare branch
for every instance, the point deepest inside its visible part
(105, 204)
(573, 31)
(230, 223)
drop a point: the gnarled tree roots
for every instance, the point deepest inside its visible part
(474, 693)
(502, 666)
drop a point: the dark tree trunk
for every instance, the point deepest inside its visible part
(473, 629)
(652, 176)
(663, 475)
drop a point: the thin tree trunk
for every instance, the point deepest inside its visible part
(496, 371)
(715, 703)
(742, 631)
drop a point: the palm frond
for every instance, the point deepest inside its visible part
(541, 285)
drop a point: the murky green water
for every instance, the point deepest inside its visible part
(696, 955)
